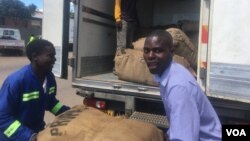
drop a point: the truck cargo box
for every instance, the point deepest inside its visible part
(222, 67)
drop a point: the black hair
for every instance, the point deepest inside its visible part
(36, 47)
(166, 36)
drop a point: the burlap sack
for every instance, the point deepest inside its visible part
(139, 44)
(189, 26)
(181, 60)
(132, 67)
(183, 46)
(88, 124)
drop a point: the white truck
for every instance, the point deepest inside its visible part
(11, 42)
(223, 57)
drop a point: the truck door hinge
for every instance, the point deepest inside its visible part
(71, 62)
(203, 73)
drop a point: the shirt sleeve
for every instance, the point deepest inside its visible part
(117, 10)
(55, 106)
(10, 127)
(184, 116)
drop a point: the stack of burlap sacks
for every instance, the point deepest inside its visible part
(83, 123)
(131, 66)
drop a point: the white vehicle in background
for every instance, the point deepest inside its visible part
(10, 41)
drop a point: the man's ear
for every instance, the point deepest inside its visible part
(34, 56)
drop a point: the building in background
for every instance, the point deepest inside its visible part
(27, 27)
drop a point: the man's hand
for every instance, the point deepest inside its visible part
(119, 24)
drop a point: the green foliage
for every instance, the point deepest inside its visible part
(16, 8)
(32, 9)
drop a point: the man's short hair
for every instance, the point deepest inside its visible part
(37, 46)
(164, 35)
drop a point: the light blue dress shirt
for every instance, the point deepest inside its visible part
(190, 114)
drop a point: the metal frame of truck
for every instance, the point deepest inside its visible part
(226, 83)
(216, 75)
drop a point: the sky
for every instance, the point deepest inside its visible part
(38, 3)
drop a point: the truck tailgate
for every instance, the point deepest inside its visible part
(10, 43)
(110, 82)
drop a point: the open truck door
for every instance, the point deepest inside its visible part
(228, 72)
(55, 28)
(95, 39)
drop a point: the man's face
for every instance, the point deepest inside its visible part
(46, 59)
(156, 54)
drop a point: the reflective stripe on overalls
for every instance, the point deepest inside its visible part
(12, 128)
(30, 96)
(56, 108)
(52, 90)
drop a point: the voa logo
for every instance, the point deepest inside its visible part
(236, 132)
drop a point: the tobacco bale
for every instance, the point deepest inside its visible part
(131, 66)
(83, 123)
(183, 46)
(139, 44)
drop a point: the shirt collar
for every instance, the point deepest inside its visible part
(163, 79)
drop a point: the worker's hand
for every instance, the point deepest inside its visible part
(119, 24)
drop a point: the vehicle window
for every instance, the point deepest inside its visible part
(11, 32)
(5, 32)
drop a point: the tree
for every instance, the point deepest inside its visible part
(32, 9)
(72, 10)
(16, 9)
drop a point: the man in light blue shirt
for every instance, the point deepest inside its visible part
(190, 114)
